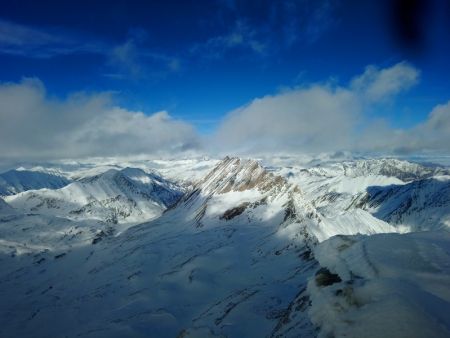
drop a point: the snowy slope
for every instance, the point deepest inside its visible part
(406, 195)
(183, 273)
(385, 285)
(125, 196)
(34, 234)
(244, 189)
(5, 208)
(239, 188)
(15, 181)
(422, 205)
(235, 256)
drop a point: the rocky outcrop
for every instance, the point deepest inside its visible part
(235, 174)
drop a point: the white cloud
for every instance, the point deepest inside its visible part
(33, 125)
(126, 132)
(378, 84)
(310, 118)
(327, 117)
(430, 136)
(319, 117)
(438, 124)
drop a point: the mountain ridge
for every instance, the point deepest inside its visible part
(235, 256)
(112, 196)
(15, 181)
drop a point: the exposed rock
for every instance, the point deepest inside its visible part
(325, 278)
(233, 212)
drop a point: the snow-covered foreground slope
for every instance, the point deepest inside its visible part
(233, 257)
(156, 281)
(385, 285)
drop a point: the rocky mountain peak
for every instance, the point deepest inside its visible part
(236, 174)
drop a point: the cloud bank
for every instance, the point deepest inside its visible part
(378, 84)
(328, 117)
(308, 119)
(324, 117)
(430, 136)
(34, 125)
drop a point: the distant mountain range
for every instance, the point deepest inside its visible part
(231, 249)
(15, 181)
(115, 196)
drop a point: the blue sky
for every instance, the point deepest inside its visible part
(200, 60)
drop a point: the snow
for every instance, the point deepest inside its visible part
(354, 222)
(392, 286)
(124, 198)
(354, 185)
(15, 181)
(5, 207)
(160, 278)
(233, 257)
(421, 205)
(218, 204)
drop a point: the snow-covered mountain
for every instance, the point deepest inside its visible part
(387, 167)
(423, 204)
(379, 190)
(5, 207)
(246, 251)
(244, 189)
(15, 181)
(239, 188)
(115, 196)
(185, 273)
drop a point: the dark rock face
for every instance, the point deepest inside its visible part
(325, 278)
(236, 211)
(233, 212)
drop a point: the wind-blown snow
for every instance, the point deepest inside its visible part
(391, 286)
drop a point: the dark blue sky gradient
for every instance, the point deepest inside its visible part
(186, 56)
